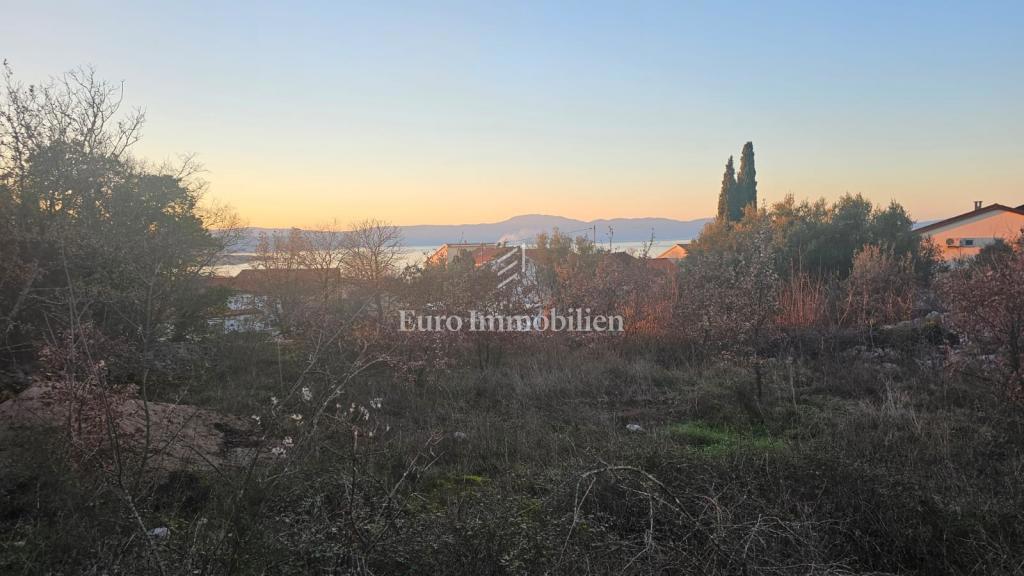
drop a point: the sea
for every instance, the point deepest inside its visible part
(413, 255)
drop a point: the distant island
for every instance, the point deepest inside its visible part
(526, 227)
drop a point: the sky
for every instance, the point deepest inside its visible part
(308, 113)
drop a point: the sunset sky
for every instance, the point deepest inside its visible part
(445, 112)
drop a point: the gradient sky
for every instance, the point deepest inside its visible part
(450, 112)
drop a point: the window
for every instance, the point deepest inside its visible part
(968, 241)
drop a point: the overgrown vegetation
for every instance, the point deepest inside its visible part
(809, 393)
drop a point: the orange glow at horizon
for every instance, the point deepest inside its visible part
(453, 199)
(439, 114)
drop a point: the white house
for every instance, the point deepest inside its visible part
(966, 234)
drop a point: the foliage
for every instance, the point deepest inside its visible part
(824, 238)
(881, 288)
(83, 220)
(985, 299)
(730, 296)
(746, 180)
(738, 190)
(727, 195)
(562, 260)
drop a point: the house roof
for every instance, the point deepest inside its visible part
(441, 254)
(485, 254)
(623, 257)
(256, 280)
(683, 247)
(990, 208)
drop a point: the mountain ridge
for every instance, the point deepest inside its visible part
(525, 227)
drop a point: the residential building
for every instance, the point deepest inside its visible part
(448, 252)
(254, 296)
(966, 234)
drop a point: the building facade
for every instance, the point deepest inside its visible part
(964, 235)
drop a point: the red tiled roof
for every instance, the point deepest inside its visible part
(485, 254)
(441, 255)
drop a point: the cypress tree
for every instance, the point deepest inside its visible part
(746, 181)
(726, 196)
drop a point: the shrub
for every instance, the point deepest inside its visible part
(985, 299)
(880, 289)
(803, 301)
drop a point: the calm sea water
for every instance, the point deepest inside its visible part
(417, 254)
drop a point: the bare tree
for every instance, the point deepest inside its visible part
(76, 109)
(298, 276)
(322, 253)
(371, 254)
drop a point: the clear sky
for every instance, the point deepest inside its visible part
(442, 112)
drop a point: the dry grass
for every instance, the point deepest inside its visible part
(843, 467)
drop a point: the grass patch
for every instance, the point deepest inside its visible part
(714, 440)
(449, 484)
